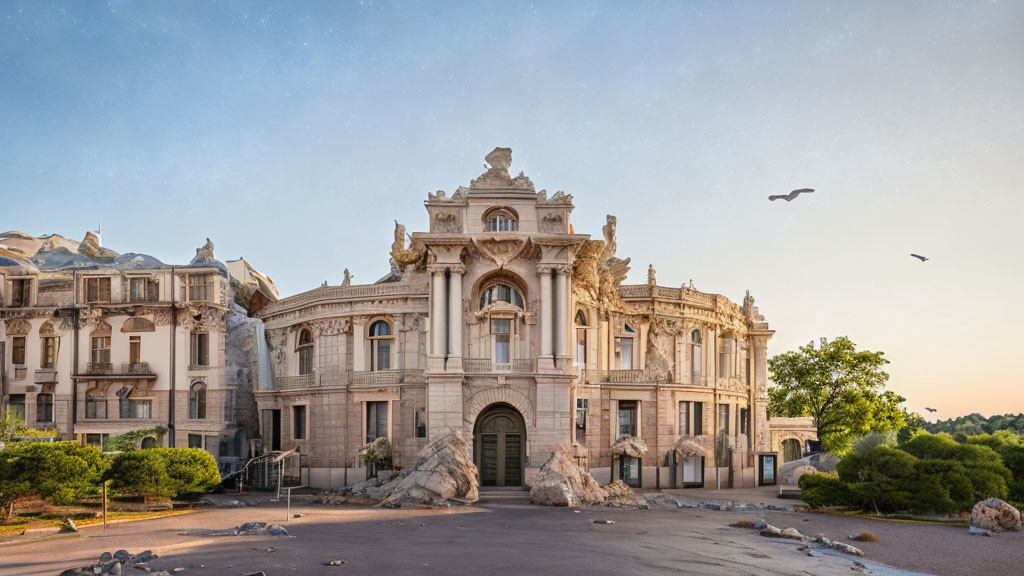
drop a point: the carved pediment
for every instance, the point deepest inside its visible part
(502, 250)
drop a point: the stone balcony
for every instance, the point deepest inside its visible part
(372, 378)
(619, 377)
(45, 376)
(124, 371)
(297, 382)
(487, 366)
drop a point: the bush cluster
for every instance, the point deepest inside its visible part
(64, 472)
(930, 474)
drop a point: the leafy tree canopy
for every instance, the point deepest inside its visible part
(840, 387)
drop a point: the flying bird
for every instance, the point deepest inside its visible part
(930, 409)
(919, 257)
(789, 197)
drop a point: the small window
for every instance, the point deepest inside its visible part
(501, 331)
(627, 417)
(143, 290)
(581, 420)
(381, 341)
(376, 420)
(148, 442)
(134, 349)
(197, 401)
(298, 422)
(744, 420)
(48, 358)
(101, 351)
(195, 441)
(200, 350)
(21, 292)
(199, 288)
(44, 408)
(581, 339)
(501, 293)
(684, 418)
(624, 351)
(97, 290)
(18, 350)
(421, 423)
(305, 350)
(95, 440)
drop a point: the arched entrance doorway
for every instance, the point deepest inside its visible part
(791, 450)
(499, 440)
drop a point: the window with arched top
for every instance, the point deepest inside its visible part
(381, 343)
(501, 292)
(696, 356)
(197, 401)
(581, 339)
(304, 348)
(148, 442)
(624, 348)
(501, 220)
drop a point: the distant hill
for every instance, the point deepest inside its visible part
(977, 424)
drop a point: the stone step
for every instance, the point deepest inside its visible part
(512, 495)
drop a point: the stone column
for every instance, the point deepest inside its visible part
(545, 358)
(438, 336)
(562, 313)
(455, 319)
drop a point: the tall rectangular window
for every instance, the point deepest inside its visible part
(581, 420)
(501, 329)
(97, 289)
(18, 350)
(684, 418)
(21, 292)
(744, 421)
(624, 353)
(199, 288)
(376, 420)
(200, 349)
(723, 419)
(421, 423)
(134, 349)
(48, 346)
(627, 418)
(298, 422)
(44, 408)
(101, 350)
(698, 418)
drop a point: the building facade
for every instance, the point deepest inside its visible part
(95, 344)
(501, 321)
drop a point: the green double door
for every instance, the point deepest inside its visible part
(499, 448)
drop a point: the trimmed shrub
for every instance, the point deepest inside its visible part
(59, 472)
(817, 490)
(140, 473)
(192, 471)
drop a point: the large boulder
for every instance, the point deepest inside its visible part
(561, 482)
(995, 515)
(444, 474)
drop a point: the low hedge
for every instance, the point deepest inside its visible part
(163, 472)
(818, 490)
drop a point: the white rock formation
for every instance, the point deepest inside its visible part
(995, 515)
(561, 482)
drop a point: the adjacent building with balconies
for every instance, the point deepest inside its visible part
(95, 344)
(501, 321)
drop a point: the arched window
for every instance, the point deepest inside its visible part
(624, 348)
(696, 356)
(791, 450)
(500, 292)
(197, 401)
(581, 339)
(304, 347)
(148, 442)
(381, 339)
(502, 221)
(44, 408)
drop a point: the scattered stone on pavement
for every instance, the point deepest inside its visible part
(335, 563)
(561, 482)
(995, 515)
(113, 564)
(602, 521)
(619, 495)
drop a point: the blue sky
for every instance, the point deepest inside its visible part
(294, 135)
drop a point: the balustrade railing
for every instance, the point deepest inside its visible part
(296, 382)
(620, 376)
(486, 365)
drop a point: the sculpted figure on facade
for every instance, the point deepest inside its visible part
(400, 254)
(347, 280)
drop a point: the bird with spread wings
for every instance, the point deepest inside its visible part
(789, 197)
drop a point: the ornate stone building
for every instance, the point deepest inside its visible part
(501, 321)
(95, 344)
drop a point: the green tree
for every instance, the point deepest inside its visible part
(140, 473)
(59, 472)
(914, 424)
(840, 387)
